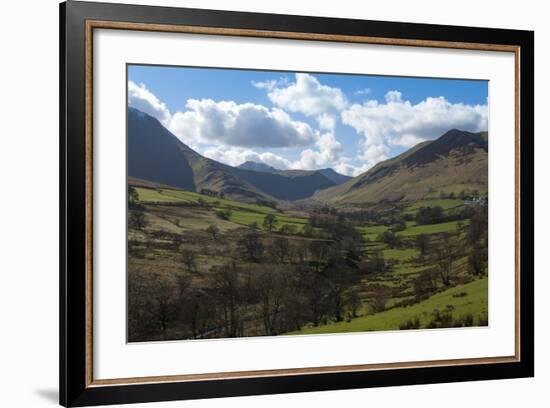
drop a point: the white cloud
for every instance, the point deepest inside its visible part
(393, 97)
(234, 156)
(349, 169)
(364, 91)
(243, 125)
(227, 131)
(373, 154)
(206, 121)
(399, 122)
(141, 98)
(407, 140)
(308, 96)
(270, 84)
(327, 154)
(309, 160)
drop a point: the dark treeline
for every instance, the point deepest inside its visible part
(436, 215)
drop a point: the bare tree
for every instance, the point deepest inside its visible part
(133, 196)
(227, 291)
(251, 247)
(272, 286)
(213, 230)
(269, 222)
(477, 260)
(300, 250)
(424, 283)
(164, 292)
(378, 299)
(141, 320)
(137, 220)
(422, 242)
(445, 253)
(197, 312)
(353, 302)
(281, 249)
(320, 252)
(338, 279)
(189, 259)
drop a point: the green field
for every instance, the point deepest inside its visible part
(474, 302)
(401, 254)
(165, 195)
(241, 213)
(371, 233)
(430, 229)
(247, 217)
(444, 203)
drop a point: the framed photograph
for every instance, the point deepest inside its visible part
(256, 204)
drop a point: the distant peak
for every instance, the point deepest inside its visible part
(257, 166)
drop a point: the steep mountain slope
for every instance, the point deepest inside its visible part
(156, 155)
(147, 142)
(454, 162)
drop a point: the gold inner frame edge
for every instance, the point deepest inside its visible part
(118, 25)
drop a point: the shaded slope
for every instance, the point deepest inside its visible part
(156, 155)
(147, 142)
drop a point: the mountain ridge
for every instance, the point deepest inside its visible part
(157, 155)
(328, 172)
(455, 161)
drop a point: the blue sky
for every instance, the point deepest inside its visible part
(306, 120)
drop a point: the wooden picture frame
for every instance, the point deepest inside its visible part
(78, 20)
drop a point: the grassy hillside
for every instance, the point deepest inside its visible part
(238, 213)
(470, 298)
(455, 162)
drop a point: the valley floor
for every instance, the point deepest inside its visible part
(204, 266)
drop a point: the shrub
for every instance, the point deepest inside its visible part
(483, 320)
(424, 283)
(466, 320)
(429, 215)
(440, 320)
(389, 238)
(410, 324)
(288, 229)
(378, 301)
(224, 214)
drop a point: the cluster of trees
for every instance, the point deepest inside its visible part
(436, 215)
(478, 239)
(272, 285)
(443, 250)
(224, 214)
(212, 193)
(463, 195)
(239, 300)
(136, 211)
(267, 203)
